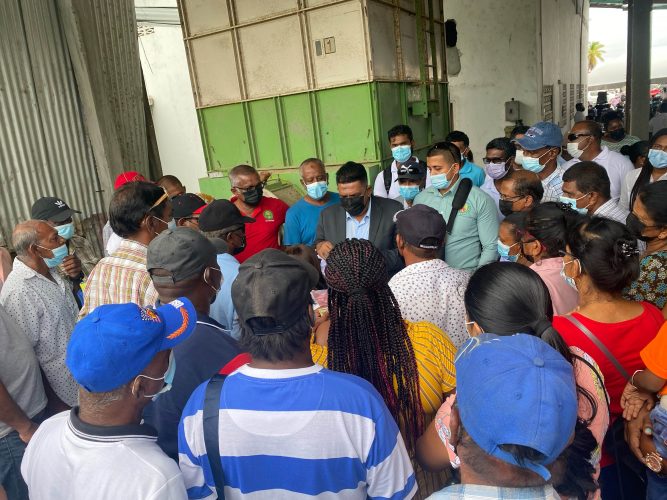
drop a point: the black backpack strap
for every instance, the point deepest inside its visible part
(211, 423)
(386, 174)
(459, 201)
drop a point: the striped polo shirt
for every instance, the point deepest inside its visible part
(301, 433)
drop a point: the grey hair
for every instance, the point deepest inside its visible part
(24, 236)
(97, 402)
(241, 170)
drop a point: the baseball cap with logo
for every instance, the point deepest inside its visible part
(273, 286)
(115, 342)
(182, 251)
(126, 177)
(421, 226)
(413, 170)
(542, 135)
(516, 390)
(51, 208)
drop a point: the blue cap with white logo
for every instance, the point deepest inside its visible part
(115, 342)
(542, 135)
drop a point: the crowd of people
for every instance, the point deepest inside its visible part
(448, 331)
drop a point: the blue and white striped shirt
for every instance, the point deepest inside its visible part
(302, 433)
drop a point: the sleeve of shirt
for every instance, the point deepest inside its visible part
(389, 470)
(172, 490)
(626, 189)
(378, 186)
(654, 355)
(479, 176)
(446, 353)
(487, 228)
(25, 310)
(282, 209)
(192, 457)
(292, 234)
(150, 296)
(319, 230)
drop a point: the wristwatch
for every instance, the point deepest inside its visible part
(653, 461)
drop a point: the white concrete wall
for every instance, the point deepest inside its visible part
(501, 52)
(167, 79)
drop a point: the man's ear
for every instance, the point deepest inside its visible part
(455, 425)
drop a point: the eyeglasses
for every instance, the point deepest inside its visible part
(574, 137)
(245, 190)
(493, 160)
(511, 198)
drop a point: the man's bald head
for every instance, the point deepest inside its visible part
(29, 233)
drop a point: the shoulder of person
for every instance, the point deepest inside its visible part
(386, 204)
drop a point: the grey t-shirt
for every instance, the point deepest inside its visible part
(19, 370)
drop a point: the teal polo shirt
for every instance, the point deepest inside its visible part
(473, 172)
(474, 238)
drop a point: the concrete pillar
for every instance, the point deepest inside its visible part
(639, 66)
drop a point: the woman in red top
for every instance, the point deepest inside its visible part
(601, 259)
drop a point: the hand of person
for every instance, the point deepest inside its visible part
(264, 176)
(446, 431)
(638, 427)
(26, 434)
(323, 249)
(632, 401)
(72, 266)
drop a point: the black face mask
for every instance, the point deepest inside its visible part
(636, 227)
(253, 196)
(505, 207)
(353, 205)
(617, 134)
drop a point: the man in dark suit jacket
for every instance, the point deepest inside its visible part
(359, 215)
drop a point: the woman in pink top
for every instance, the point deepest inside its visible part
(543, 243)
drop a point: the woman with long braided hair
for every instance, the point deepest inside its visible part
(410, 364)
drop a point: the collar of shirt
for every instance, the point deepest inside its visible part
(550, 263)
(366, 217)
(558, 173)
(482, 492)
(109, 434)
(432, 265)
(603, 154)
(451, 191)
(26, 272)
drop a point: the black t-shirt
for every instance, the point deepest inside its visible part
(202, 355)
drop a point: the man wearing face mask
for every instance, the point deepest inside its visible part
(615, 137)
(468, 169)
(269, 213)
(541, 147)
(411, 181)
(359, 215)
(520, 191)
(221, 220)
(500, 154)
(301, 219)
(182, 263)
(401, 143)
(81, 257)
(585, 144)
(42, 305)
(121, 357)
(138, 212)
(473, 238)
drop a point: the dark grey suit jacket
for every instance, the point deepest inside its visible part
(382, 231)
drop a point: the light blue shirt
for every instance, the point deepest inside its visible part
(222, 310)
(473, 172)
(301, 220)
(358, 229)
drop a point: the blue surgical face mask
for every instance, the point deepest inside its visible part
(572, 202)
(317, 190)
(66, 231)
(440, 181)
(533, 164)
(657, 158)
(570, 281)
(408, 192)
(58, 255)
(504, 251)
(168, 378)
(401, 153)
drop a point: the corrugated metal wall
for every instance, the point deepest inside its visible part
(44, 149)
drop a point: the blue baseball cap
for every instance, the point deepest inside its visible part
(541, 135)
(115, 342)
(516, 390)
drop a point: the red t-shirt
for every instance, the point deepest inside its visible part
(269, 217)
(624, 340)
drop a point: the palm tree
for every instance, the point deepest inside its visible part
(595, 53)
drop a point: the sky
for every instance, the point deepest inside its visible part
(609, 26)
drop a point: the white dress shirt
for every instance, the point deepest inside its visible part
(433, 291)
(629, 183)
(378, 186)
(616, 165)
(46, 312)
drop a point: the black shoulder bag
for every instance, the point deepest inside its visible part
(211, 422)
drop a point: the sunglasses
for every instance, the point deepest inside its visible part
(574, 137)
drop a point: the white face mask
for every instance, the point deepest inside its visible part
(518, 157)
